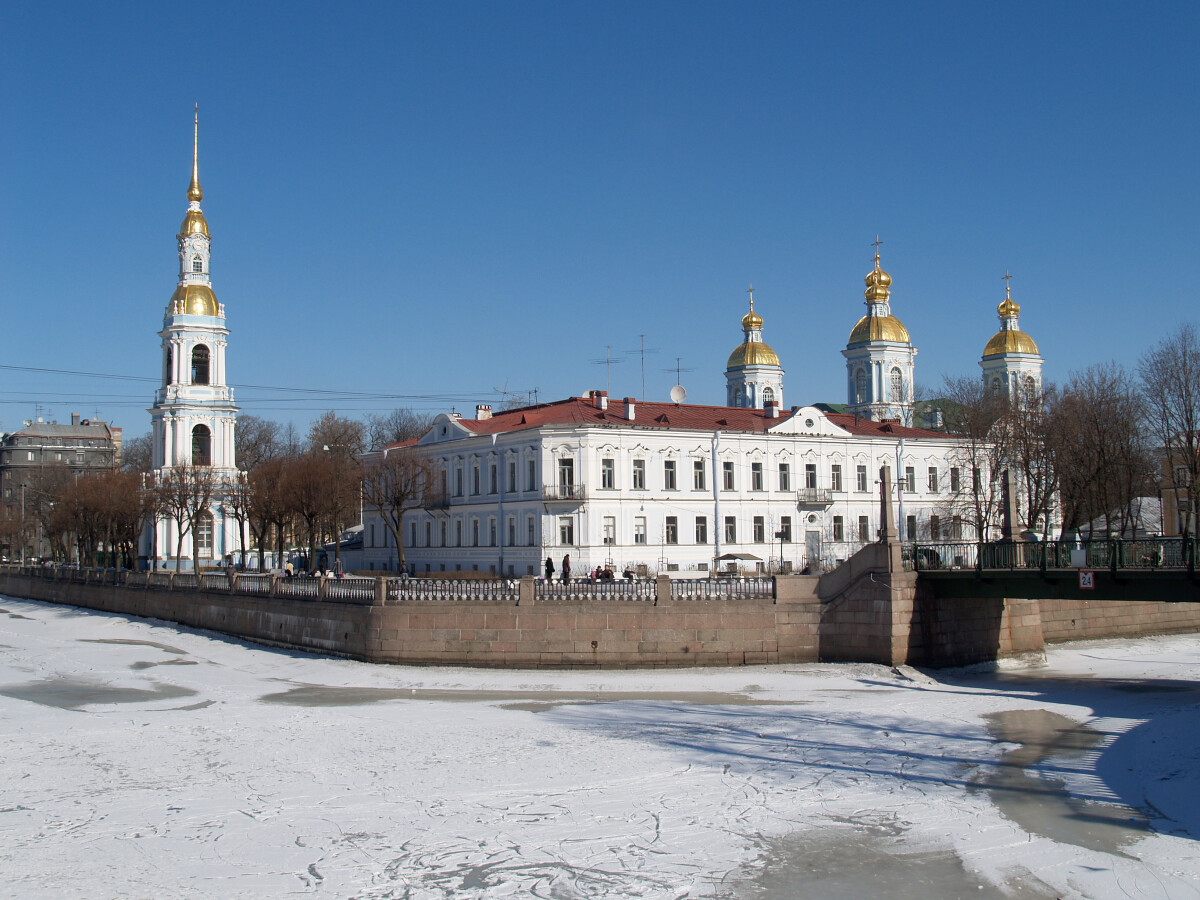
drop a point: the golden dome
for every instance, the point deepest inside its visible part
(752, 319)
(752, 353)
(1010, 342)
(193, 300)
(1009, 308)
(193, 223)
(877, 281)
(878, 328)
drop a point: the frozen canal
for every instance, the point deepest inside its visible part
(137, 760)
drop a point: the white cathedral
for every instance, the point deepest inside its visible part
(193, 416)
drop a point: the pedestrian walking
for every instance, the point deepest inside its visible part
(566, 569)
(549, 569)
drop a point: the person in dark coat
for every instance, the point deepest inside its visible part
(549, 569)
(566, 572)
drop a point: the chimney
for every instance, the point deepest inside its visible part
(74, 418)
(483, 411)
(630, 412)
(771, 409)
(600, 399)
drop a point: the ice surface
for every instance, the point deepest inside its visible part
(142, 760)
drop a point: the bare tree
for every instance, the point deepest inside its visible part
(396, 481)
(973, 416)
(1170, 381)
(342, 440)
(185, 493)
(396, 427)
(306, 488)
(137, 454)
(255, 441)
(267, 505)
(1033, 455)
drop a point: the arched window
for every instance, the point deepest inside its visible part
(197, 265)
(996, 386)
(204, 535)
(169, 368)
(860, 386)
(897, 386)
(201, 446)
(200, 365)
(768, 395)
(1031, 391)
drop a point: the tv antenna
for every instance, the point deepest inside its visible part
(642, 351)
(607, 361)
(678, 370)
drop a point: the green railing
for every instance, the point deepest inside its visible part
(1112, 554)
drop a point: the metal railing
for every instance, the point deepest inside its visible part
(722, 588)
(811, 496)
(254, 584)
(212, 581)
(300, 587)
(564, 492)
(400, 590)
(350, 587)
(585, 590)
(1113, 554)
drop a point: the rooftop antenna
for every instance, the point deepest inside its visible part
(678, 369)
(642, 351)
(607, 361)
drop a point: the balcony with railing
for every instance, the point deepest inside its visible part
(814, 496)
(564, 492)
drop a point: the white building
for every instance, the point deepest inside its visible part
(193, 416)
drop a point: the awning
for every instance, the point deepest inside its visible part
(740, 556)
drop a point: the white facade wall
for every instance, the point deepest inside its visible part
(650, 523)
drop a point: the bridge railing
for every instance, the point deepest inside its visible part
(1147, 553)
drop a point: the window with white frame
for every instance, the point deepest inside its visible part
(835, 477)
(511, 487)
(491, 531)
(608, 474)
(531, 475)
(731, 529)
(785, 476)
(671, 530)
(530, 531)
(669, 483)
(760, 529)
(861, 474)
(610, 530)
(785, 529)
(839, 528)
(864, 529)
(566, 530)
(910, 479)
(510, 526)
(639, 474)
(810, 475)
(639, 529)
(204, 535)
(933, 479)
(698, 478)
(701, 529)
(756, 476)
(727, 475)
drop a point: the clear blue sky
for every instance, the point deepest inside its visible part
(440, 200)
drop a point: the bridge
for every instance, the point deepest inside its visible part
(1161, 569)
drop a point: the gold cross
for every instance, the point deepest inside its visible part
(1006, 278)
(751, 293)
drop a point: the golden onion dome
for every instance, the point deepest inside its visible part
(1010, 342)
(193, 223)
(878, 328)
(752, 319)
(752, 353)
(193, 300)
(1009, 308)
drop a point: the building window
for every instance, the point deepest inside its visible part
(197, 265)
(610, 530)
(639, 529)
(897, 386)
(785, 529)
(201, 446)
(839, 529)
(428, 534)
(491, 531)
(864, 529)
(910, 479)
(475, 479)
(933, 479)
(975, 480)
(669, 475)
(727, 476)
(756, 476)
(639, 474)
(730, 530)
(810, 475)
(698, 479)
(835, 478)
(511, 487)
(935, 528)
(566, 477)
(458, 541)
(671, 530)
(608, 474)
(493, 481)
(412, 534)
(701, 530)
(458, 481)
(530, 532)
(910, 528)
(760, 530)
(566, 530)
(474, 532)
(768, 395)
(860, 386)
(956, 528)
(443, 534)
(204, 535)
(862, 478)
(200, 364)
(510, 526)
(955, 480)
(531, 475)
(785, 477)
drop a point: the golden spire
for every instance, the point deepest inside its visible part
(751, 319)
(194, 192)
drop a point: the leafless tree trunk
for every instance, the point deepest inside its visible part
(1170, 376)
(396, 481)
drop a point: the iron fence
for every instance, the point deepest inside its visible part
(584, 590)
(722, 588)
(1148, 553)
(254, 584)
(350, 587)
(418, 589)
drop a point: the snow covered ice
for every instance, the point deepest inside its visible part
(141, 760)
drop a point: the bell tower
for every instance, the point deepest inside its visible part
(194, 415)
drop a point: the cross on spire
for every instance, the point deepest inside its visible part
(1006, 278)
(750, 291)
(876, 244)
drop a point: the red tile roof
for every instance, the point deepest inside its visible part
(583, 411)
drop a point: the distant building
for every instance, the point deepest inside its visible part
(31, 458)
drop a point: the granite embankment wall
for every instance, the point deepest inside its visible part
(556, 633)
(869, 610)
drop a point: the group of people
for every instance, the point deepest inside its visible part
(597, 574)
